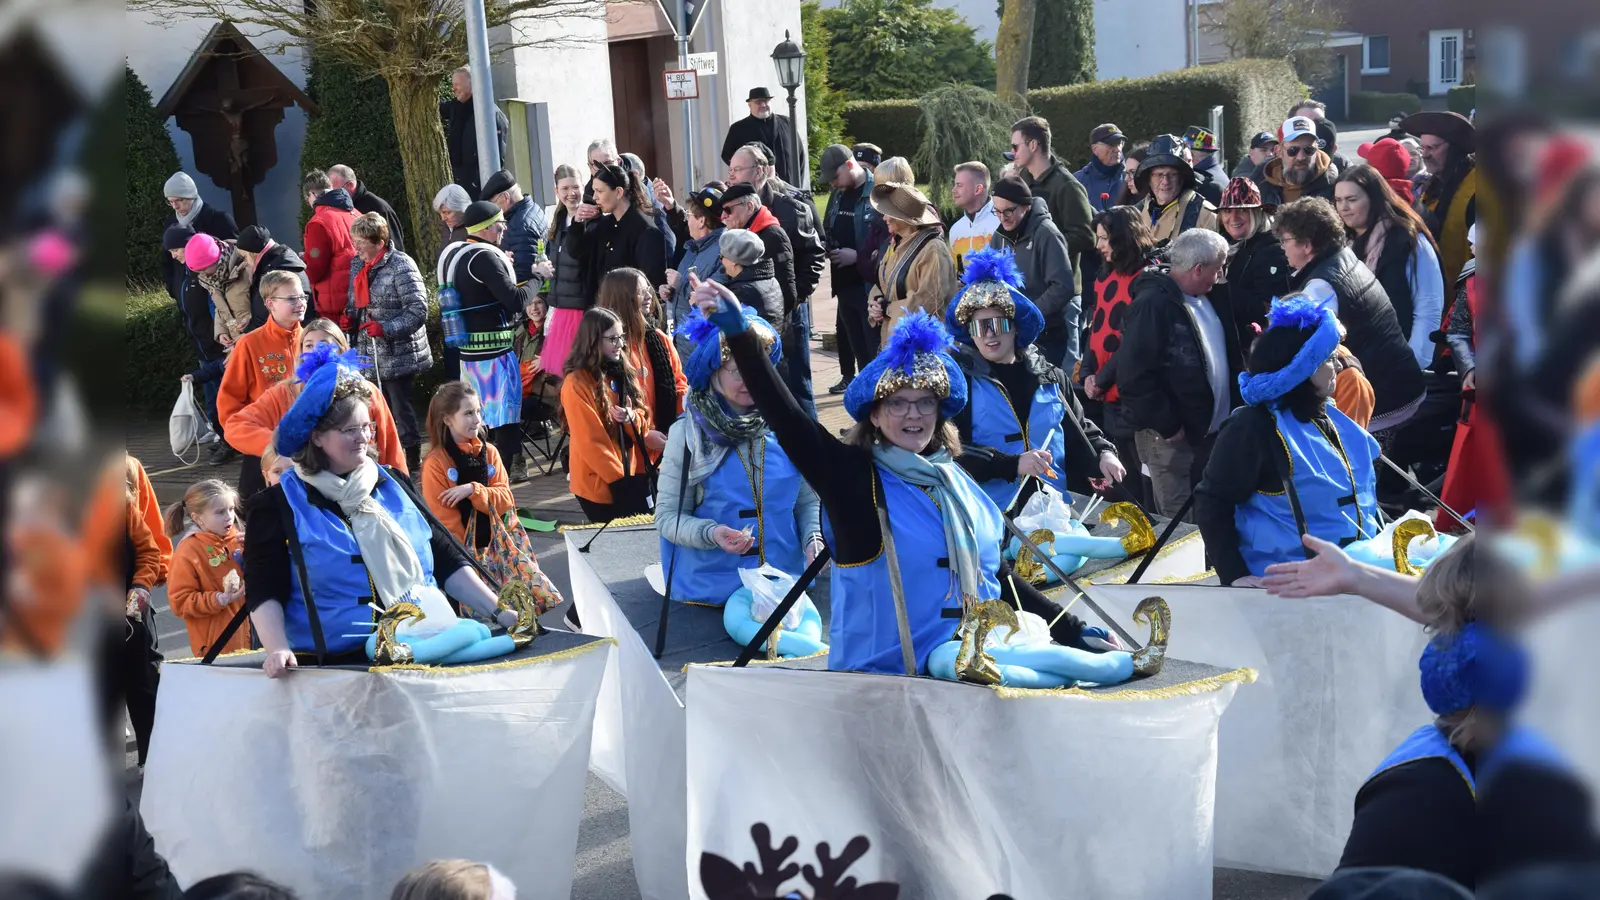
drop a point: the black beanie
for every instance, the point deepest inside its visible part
(254, 239)
(1013, 189)
(176, 237)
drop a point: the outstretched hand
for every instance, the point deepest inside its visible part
(1330, 572)
(718, 304)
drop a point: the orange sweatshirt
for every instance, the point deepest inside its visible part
(1352, 393)
(199, 566)
(18, 404)
(104, 524)
(260, 360)
(146, 554)
(50, 566)
(639, 357)
(250, 429)
(494, 498)
(150, 511)
(595, 460)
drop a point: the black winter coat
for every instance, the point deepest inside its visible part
(1161, 367)
(368, 202)
(490, 299)
(1375, 336)
(605, 243)
(461, 140)
(567, 287)
(210, 220)
(1041, 255)
(777, 133)
(194, 305)
(777, 250)
(278, 257)
(757, 288)
(1257, 273)
(800, 221)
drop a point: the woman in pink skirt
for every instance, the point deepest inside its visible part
(565, 293)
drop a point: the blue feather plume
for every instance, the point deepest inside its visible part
(326, 353)
(696, 328)
(1297, 311)
(991, 264)
(916, 333)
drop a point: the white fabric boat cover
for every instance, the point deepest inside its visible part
(964, 791)
(1338, 690)
(337, 781)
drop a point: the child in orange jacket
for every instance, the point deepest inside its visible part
(463, 476)
(144, 496)
(206, 585)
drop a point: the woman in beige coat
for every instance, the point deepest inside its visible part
(916, 270)
(225, 272)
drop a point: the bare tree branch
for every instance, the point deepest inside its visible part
(1296, 30)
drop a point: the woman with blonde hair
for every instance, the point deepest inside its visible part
(454, 879)
(916, 271)
(250, 429)
(894, 170)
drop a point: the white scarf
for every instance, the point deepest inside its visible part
(390, 559)
(194, 210)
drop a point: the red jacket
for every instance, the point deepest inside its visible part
(328, 253)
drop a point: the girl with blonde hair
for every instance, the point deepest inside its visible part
(205, 585)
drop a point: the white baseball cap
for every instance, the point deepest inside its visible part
(1298, 126)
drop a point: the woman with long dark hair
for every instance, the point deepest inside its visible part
(618, 231)
(1288, 462)
(651, 356)
(1391, 239)
(1257, 271)
(564, 293)
(607, 416)
(1130, 194)
(1124, 240)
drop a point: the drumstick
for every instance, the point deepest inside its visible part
(1063, 612)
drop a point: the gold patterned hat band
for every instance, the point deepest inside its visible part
(927, 374)
(985, 295)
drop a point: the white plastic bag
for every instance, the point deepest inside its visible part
(1046, 509)
(188, 425)
(768, 586)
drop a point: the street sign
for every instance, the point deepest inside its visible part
(704, 63)
(682, 84)
(684, 16)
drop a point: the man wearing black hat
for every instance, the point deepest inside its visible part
(1027, 229)
(1448, 201)
(845, 227)
(1102, 177)
(525, 226)
(489, 299)
(1166, 180)
(266, 255)
(1262, 147)
(766, 127)
(194, 308)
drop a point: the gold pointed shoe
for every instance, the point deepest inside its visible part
(1152, 611)
(390, 650)
(1404, 534)
(518, 597)
(973, 663)
(1141, 534)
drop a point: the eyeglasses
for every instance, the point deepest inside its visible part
(357, 432)
(292, 298)
(1159, 175)
(981, 327)
(900, 406)
(614, 340)
(1296, 151)
(1006, 212)
(732, 371)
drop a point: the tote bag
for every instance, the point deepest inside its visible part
(188, 426)
(509, 557)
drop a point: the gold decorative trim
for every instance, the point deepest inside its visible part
(625, 522)
(195, 659)
(1188, 688)
(569, 653)
(1124, 570)
(726, 663)
(1185, 579)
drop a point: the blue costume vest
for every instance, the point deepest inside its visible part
(1336, 483)
(994, 424)
(1584, 505)
(864, 635)
(340, 587)
(1521, 744)
(711, 576)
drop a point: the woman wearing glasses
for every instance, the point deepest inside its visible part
(731, 498)
(608, 417)
(340, 537)
(1022, 417)
(897, 465)
(388, 309)
(261, 359)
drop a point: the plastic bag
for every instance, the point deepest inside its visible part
(1046, 509)
(188, 426)
(768, 586)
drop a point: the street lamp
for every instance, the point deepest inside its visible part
(790, 61)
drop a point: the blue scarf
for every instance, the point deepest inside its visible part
(958, 499)
(1104, 169)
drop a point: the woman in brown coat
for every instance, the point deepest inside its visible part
(916, 270)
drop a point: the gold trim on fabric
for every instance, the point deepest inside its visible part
(569, 653)
(1185, 579)
(726, 663)
(626, 522)
(1188, 688)
(845, 565)
(702, 603)
(195, 659)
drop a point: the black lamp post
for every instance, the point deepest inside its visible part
(791, 63)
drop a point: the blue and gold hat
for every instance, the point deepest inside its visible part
(711, 346)
(917, 356)
(326, 376)
(993, 281)
(1304, 312)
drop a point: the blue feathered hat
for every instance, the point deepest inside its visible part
(710, 347)
(917, 356)
(1473, 667)
(1306, 313)
(993, 281)
(325, 376)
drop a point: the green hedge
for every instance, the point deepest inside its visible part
(356, 128)
(149, 159)
(1463, 98)
(1253, 92)
(1377, 106)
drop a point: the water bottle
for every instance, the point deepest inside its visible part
(455, 331)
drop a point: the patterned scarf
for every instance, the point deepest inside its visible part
(713, 430)
(959, 502)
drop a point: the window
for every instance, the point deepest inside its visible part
(1375, 54)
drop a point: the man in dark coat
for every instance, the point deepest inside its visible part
(766, 127)
(368, 202)
(461, 134)
(266, 255)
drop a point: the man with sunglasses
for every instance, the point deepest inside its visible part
(1300, 169)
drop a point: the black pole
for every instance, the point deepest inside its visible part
(794, 145)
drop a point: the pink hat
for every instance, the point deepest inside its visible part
(201, 252)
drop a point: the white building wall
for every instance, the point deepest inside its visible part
(749, 30)
(573, 78)
(157, 52)
(1137, 38)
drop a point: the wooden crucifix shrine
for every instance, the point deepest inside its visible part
(230, 98)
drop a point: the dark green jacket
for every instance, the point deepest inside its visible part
(1069, 209)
